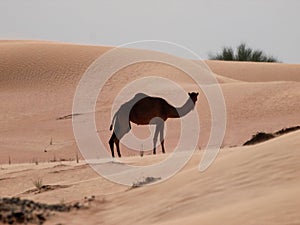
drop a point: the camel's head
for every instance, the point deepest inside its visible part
(193, 96)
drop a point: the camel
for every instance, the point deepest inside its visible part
(145, 110)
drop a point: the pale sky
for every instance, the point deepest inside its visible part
(203, 26)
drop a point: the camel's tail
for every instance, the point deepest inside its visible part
(112, 122)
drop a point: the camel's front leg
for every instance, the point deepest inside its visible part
(155, 138)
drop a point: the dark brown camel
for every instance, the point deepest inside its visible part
(144, 110)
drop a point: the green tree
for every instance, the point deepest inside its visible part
(243, 53)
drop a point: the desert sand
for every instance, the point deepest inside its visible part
(245, 185)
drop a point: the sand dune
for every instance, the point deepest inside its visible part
(245, 185)
(38, 81)
(256, 72)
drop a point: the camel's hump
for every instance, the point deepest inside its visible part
(140, 96)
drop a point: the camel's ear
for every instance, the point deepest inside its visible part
(197, 93)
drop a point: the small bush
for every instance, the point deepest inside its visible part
(259, 137)
(287, 130)
(144, 181)
(262, 136)
(243, 53)
(38, 183)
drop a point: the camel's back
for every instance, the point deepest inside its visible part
(144, 110)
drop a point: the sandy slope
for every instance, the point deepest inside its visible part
(249, 185)
(245, 185)
(256, 72)
(38, 81)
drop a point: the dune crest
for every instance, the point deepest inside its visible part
(38, 80)
(40, 161)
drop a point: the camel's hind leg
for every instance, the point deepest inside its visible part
(117, 141)
(114, 140)
(111, 144)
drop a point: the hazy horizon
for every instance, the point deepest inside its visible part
(203, 26)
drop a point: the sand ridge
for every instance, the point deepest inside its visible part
(244, 184)
(38, 81)
(249, 185)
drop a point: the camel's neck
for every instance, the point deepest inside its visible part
(183, 110)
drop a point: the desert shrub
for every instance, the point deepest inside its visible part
(242, 53)
(259, 137)
(287, 130)
(144, 181)
(262, 136)
(38, 183)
